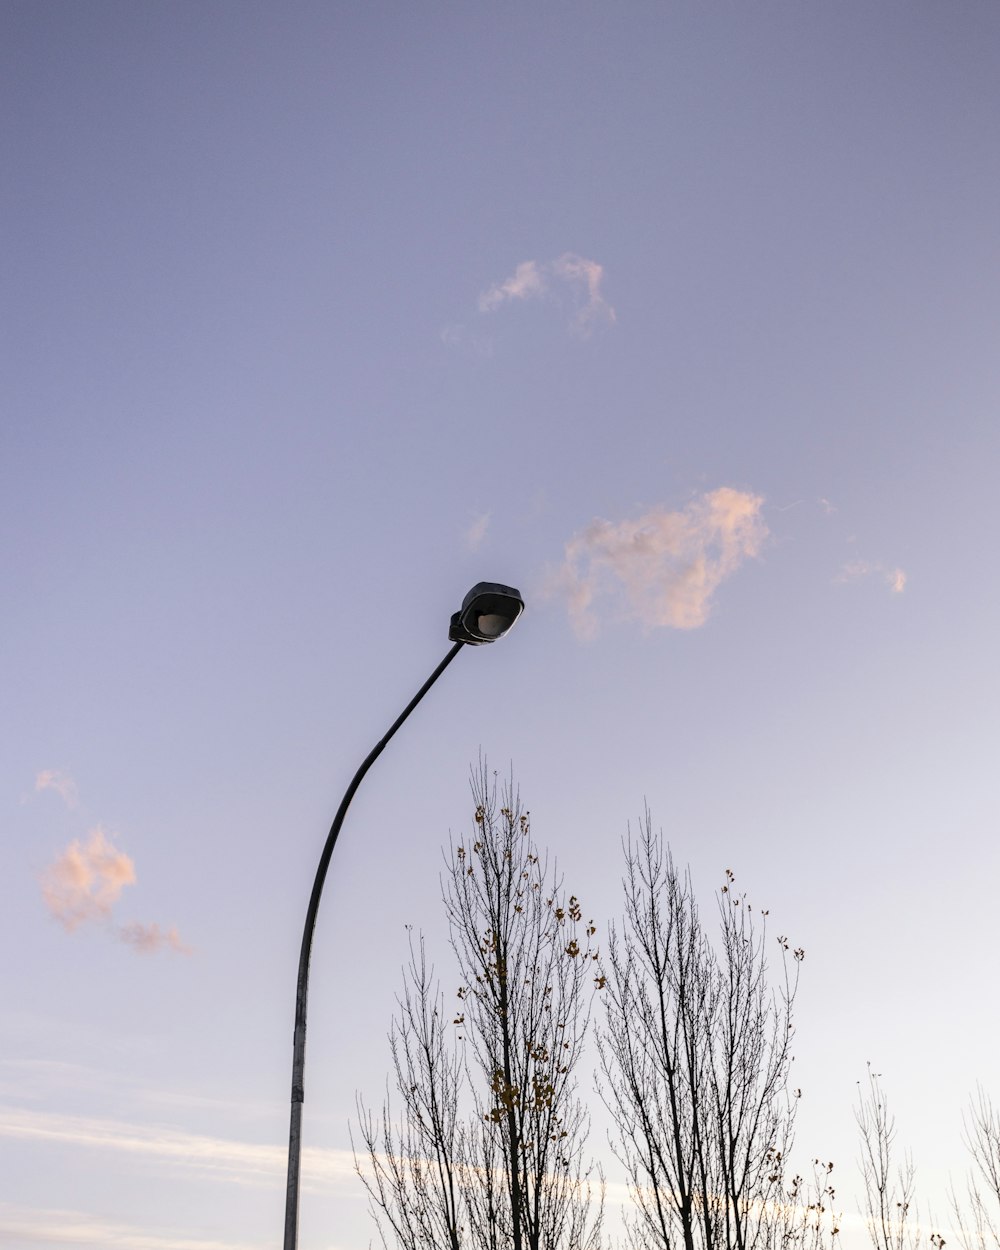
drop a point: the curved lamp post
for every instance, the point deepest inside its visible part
(487, 613)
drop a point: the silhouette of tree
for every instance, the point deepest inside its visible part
(695, 1057)
(487, 1151)
(890, 1183)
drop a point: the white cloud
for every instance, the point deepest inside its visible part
(576, 275)
(85, 880)
(662, 568)
(476, 532)
(64, 786)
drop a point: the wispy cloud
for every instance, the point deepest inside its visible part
(476, 532)
(147, 939)
(63, 785)
(56, 1082)
(247, 1163)
(661, 568)
(576, 276)
(584, 278)
(526, 282)
(458, 336)
(85, 881)
(856, 570)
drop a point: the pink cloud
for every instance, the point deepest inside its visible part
(148, 939)
(855, 570)
(85, 880)
(662, 568)
(476, 532)
(581, 277)
(526, 282)
(585, 278)
(64, 786)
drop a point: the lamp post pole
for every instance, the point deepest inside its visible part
(488, 612)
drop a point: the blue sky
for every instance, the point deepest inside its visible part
(681, 318)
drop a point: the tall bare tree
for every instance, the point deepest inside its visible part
(487, 1150)
(695, 1055)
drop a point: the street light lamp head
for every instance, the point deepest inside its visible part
(488, 612)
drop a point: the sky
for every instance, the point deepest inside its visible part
(681, 318)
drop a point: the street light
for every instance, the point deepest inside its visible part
(488, 612)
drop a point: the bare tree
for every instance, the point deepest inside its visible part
(695, 1055)
(978, 1221)
(890, 1213)
(805, 1219)
(488, 1151)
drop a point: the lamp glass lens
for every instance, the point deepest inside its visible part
(491, 624)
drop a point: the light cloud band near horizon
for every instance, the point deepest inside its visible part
(242, 1162)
